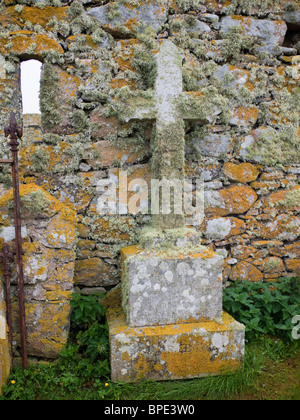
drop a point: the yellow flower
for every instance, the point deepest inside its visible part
(106, 384)
(12, 382)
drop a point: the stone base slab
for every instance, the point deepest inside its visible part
(179, 351)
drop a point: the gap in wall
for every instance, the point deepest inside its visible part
(30, 86)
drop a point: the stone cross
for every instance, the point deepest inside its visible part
(170, 107)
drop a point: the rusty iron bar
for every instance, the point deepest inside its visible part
(6, 258)
(15, 132)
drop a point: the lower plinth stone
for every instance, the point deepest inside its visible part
(4, 354)
(178, 351)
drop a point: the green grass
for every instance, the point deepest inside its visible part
(271, 368)
(73, 379)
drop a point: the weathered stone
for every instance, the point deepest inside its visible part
(48, 245)
(110, 155)
(245, 172)
(220, 228)
(294, 266)
(234, 200)
(5, 360)
(175, 286)
(126, 19)
(246, 271)
(244, 116)
(282, 227)
(271, 33)
(292, 17)
(273, 265)
(214, 144)
(194, 27)
(34, 15)
(27, 43)
(176, 351)
(93, 272)
(284, 200)
(238, 79)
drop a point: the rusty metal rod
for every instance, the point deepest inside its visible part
(6, 257)
(15, 132)
(6, 161)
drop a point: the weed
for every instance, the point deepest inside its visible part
(264, 308)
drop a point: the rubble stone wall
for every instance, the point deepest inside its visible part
(243, 55)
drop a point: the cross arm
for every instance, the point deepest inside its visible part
(141, 107)
(138, 105)
(196, 106)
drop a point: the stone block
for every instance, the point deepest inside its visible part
(237, 199)
(170, 352)
(49, 239)
(271, 33)
(166, 287)
(123, 19)
(4, 353)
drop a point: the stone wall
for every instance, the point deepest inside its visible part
(242, 55)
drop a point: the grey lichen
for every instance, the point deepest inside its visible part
(49, 93)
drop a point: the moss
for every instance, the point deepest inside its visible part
(35, 202)
(40, 160)
(253, 7)
(293, 198)
(272, 264)
(188, 5)
(236, 42)
(49, 92)
(79, 120)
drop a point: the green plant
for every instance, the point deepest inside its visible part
(264, 308)
(89, 328)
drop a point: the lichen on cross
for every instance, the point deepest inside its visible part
(170, 107)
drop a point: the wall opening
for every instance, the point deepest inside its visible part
(30, 86)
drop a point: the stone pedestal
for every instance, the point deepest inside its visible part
(175, 351)
(162, 288)
(166, 320)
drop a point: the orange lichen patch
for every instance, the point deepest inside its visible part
(242, 252)
(55, 157)
(26, 42)
(280, 199)
(124, 53)
(123, 56)
(282, 227)
(69, 85)
(85, 40)
(273, 265)
(241, 77)
(272, 176)
(246, 271)
(193, 358)
(104, 228)
(53, 207)
(246, 115)
(245, 172)
(35, 16)
(110, 155)
(182, 350)
(61, 230)
(293, 265)
(236, 199)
